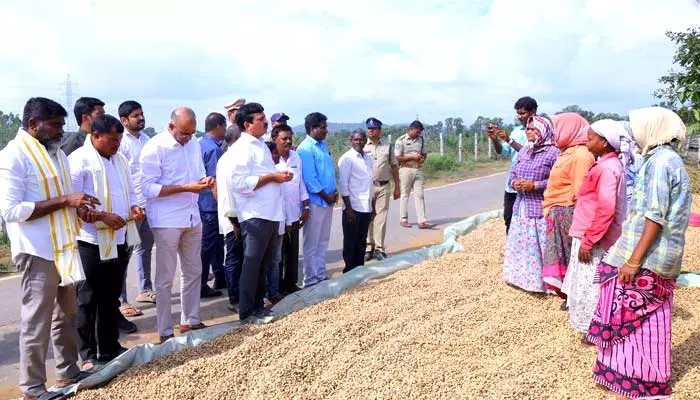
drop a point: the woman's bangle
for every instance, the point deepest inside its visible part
(634, 266)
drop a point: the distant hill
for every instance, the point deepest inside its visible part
(342, 126)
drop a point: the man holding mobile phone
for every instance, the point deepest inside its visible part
(510, 145)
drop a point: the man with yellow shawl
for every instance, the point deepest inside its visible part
(38, 203)
(105, 246)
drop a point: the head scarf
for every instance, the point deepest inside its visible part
(570, 129)
(543, 129)
(654, 126)
(612, 131)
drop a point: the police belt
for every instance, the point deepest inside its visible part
(381, 183)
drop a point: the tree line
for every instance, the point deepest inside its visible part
(680, 92)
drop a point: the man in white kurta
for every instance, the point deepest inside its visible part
(105, 245)
(172, 177)
(41, 225)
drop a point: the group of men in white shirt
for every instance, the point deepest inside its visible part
(129, 192)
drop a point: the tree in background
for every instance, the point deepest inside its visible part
(590, 115)
(681, 91)
(9, 124)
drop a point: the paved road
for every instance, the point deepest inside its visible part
(445, 205)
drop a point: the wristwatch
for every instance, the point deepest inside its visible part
(510, 141)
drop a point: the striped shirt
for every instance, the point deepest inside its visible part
(662, 195)
(533, 166)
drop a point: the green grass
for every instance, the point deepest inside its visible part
(4, 240)
(436, 166)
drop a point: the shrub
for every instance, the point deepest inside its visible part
(435, 163)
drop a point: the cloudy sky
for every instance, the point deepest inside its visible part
(393, 59)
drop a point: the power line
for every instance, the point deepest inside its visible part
(69, 101)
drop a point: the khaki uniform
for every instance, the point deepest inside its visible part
(383, 158)
(411, 176)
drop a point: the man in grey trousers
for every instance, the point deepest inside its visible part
(48, 258)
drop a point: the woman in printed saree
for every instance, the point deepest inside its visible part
(525, 243)
(565, 180)
(597, 221)
(632, 323)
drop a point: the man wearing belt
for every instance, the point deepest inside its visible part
(410, 151)
(385, 166)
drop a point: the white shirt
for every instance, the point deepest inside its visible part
(81, 176)
(250, 159)
(130, 148)
(293, 192)
(356, 180)
(225, 204)
(165, 162)
(20, 188)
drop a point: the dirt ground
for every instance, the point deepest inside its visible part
(446, 329)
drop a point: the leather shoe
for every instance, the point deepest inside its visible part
(369, 255)
(425, 225)
(380, 255)
(219, 284)
(44, 396)
(208, 292)
(126, 326)
(405, 223)
(162, 339)
(184, 328)
(61, 383)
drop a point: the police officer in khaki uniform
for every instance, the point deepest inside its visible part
(232, 132)
(410, 151)
(386, 168)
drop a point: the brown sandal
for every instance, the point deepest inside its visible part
(129, 311)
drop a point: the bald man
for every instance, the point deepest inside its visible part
(173, 175)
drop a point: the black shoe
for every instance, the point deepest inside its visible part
(292, 289)
(219, 284)
(126, 326)
(61, 383)
(369, 255)
(108, 358)
(260, 317)
(233, 308)
(276, 299)
(380, 255)
(208, 292)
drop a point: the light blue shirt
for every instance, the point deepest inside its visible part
(318, 169)
(662, 195)
(518, 135)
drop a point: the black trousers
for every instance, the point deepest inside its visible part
(233, 265)
(289, 267)
(261, 241)
(355, 240)
(508, 202)
(212, 251)
(98, 302)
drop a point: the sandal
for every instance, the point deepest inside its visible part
(146, 297)
(128, 310)
(88, 365)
